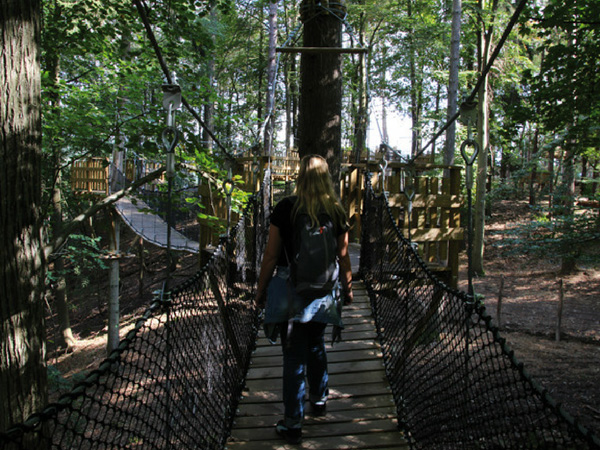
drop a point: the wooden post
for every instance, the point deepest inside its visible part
(499, 305)
(561, 297)
(112, 341)
(142, 272)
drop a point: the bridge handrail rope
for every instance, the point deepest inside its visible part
(455, 381)
(205, 329)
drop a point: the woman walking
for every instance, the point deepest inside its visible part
(301, 321)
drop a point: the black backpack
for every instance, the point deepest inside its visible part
(314, 266)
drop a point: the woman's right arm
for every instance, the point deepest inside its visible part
(345, 268)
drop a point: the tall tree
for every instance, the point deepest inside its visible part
(22, 340)
(485, 34)
(53, 104)
(359, 83)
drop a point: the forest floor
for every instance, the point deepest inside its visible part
(569, 369)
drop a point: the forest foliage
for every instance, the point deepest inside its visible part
(102, 81)
(102, 85)
(102, 92)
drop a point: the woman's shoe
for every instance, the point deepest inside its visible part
(291, 435)
(319, 409)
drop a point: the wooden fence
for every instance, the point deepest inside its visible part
(433, 224)
(90, 176)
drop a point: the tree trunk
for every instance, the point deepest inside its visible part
(483, 139)
(261, 65)
(60, 289)
(385, 137)
(567, 202)
(416, 87)
(481, 180)
(453, 81)
(271, 82)
(584, 177)
(320, 115)
(209, 106)
(534, 156)
(595, 176)
(119, 163)
(288, 108)
(23, 382)
(438, 95)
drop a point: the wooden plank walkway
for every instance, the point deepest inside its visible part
(360, 410)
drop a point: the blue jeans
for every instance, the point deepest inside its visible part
(304, 357)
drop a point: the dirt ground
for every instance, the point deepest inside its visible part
(569, 369)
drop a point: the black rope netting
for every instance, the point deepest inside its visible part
(176, 378)
(456, 384)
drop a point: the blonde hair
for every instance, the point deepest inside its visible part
(315, 192)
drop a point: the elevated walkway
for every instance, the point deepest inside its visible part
(360, 411)
(176, 379)
(152, 227)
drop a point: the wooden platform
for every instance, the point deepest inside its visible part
(360, 410)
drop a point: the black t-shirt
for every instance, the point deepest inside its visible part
(282, 219)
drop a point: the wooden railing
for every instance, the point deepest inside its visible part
(251, 169)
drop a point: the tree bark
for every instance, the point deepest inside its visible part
(23, 382)
(534, 157)
(567, 202)
(481, 180)
(361, 119)
(551, 176)
(416, 89)
(209, 107)
(288, 108)
(60, 287)
(320, 114)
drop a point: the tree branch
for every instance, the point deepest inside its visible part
(70, 227)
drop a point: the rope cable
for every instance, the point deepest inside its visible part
(141, 7)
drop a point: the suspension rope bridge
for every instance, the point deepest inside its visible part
(144, 213)
(176, 379)
(152, 227)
